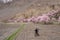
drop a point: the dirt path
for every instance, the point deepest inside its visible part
(47, 32)
(7, 29)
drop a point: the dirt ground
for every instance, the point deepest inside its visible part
(47, 32)
(7, 29)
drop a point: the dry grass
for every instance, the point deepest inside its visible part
(33, 12)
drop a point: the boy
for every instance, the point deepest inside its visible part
(36, 32)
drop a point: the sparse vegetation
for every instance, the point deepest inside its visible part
(13, 35)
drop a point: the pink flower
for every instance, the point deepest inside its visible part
(53, 19)
(33, 19)
(44, 19)
(59, 19)
(24, 20)
(29, 20)
(38, 18)
(52, 13)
